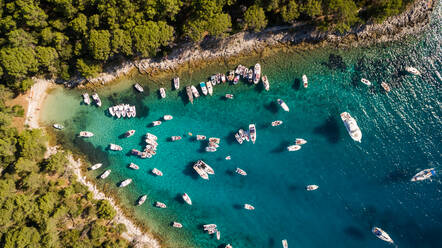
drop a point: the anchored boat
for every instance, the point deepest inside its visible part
(283, 105)
(423, 175)
(351, 126)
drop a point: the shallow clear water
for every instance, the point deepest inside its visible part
(361, 184)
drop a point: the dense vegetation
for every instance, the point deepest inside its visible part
(40, 203)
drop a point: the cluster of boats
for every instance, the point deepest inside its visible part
(123, 110)
(203, 169)
(249, 135)
(297, 145)
(213, 144)
(213, 229)
(95, 97)
(158, 122)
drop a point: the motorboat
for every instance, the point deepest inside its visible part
(228, 246)
(209, 226)
(236, 79)
(218, 235)
(201, 170)
(257, 73)
(194, 91)
(213, 144)
(413, 70)
(210, 149)
(203, 88)
(311, 187)
(187, 199)
(351, 126)
(423, 175)
(129, 133)
(115, 147)
(157, 172)
(249, 207)
(266, 83)
(163, 93)
(141, 200)
(175, 138)
(285, 244)
(252, 131)
(238, 138)
(276, 123)
(209, 87)
(125, 183)
(241, 172)
(135, 152)
(138, 87)
(96, 99)
(300, 141)
(189, 94)
(293, 148)
(243, 135)
(160, 205)
(366, 82)
(96, 166)
(229, 96)
(86, 134)
(134, 166)
(86, 98)
(250, 76)
(156, 123)
(283, 105)
(206, 167)
(151, 136)
(58, 126)
(176, 83)
(381, 234)
(167, 117)
(111, 111)
(385, 86)
(214, 140)
(177, 224)
(228, 158)
(304, 81)
(105, 174)
(200, 137)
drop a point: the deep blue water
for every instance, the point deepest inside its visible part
(361, 184)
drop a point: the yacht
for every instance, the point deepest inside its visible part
(285, 243)
(105, 174)
(381, 234)
(241, 172)
(114, 147)
(413, 70)
(134, 166)
(189, 94)
(138, 87)
(97, 99)
(175, 138)
(195, 91)
(58, 126)
(300, 141)
(177, 224)
(203, 88)
(252, 131)
(141, 200)
(276, 123)
(156, 123)
(187, 199)
(209, 87)
(160, 205)
(293, 148)
(125, 183)
(96, 166)
(229, 96)
(86, 134)
(257, 73)
(423, 175)
(238, 138)
(351, 126)
(129, 133)
(249, 207)
(385, 86)
(283, 105)
(162, 93)
(311, 187)
(157, 172)
(366, 82)
(305, 81)
(86, 98)
(200, 137)
(266, 83)
(167, 117)
(176, 83)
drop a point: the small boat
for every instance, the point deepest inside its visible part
(176, 83)
(114, 147)
(229, 96)
(252, 131)
(366, 82)
(214, 140)
(206, 167)
(257, 73)
(177, 224)
(97, 99)
(175, 138)
(195, 91)
(241, 172)
(86, 98)
(249, 207)
(381, 234)
(238, 138)
(162, 93)
(385, 86)
(151, 136)
(167, 117)
(250, 76)
(203, 88)
(156, 123)
(111, 111)
(283, 105)
(135, 152)
(129, 133)
(138, 87)
(209, 226)
(218, 235)
(284, 243)
(125, 183)
(276, 123)
(201, 172)
(228, 246)
(86, 134)
(189, 94)
(243, 135)
(213, 144)
(423, 175)
(160, 205)
(200, 137)
(311, 187)
(58, 126)
(134, 166)
(236, 79)
(96, 166)
(141, 200)
(157, 172)
(209, 87)
(266, 83)
(187, 199)
(210, 149)
(105, 174)
(300, 141)
(413, 70)
(293, 148)
(231, 75)
(305, 81)
(351, 126)
(228, 158)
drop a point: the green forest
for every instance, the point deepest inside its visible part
(65, 38)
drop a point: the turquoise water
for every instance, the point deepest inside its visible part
(361, 184)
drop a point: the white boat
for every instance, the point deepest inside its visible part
(115, 147)
(177, 224)
(134, 166)
(175, 138)
(266, 83)
(243, 135)
(86, 98)
(229, 96)
(167, 117)
(351, 126)
(285, 243)
(257, 73)
(366, 82)
(156, 123)
(236, 79)
(210, 149)
(105, 174)
(187, 199)
(125, 183)
(311, 187)
(195, 91)
(86, 134)
(209, 226)
(241, 172)
(209, 87)
(151, 136)
(293, 148)
(214, 140)
(203, 88)
(228, 158)
(276, 123)
(58, 126)
(252, 131)
(203, 174)
(206, 167)
(176, 83)
(300, 141)
(238, 138)
(305, 81)
(162, 93)
(223, 78)
(218, 235)
(96, 166)
(413, 70)
(97, 99)
(283, 105)
(111, 111)
(381, 234)
(138, 87)
(157, 172)
(129, 133)
(213, 144)
(249, 207)
(141, 200)
(386, 87)
(423, 175)
(250, 75)
(160, 205)
(200, 137)
(228, 246)
(189, 94)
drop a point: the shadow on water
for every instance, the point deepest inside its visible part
(282, 147)
(354, 232)
(229, 172)
(272, 243)
(272, 107)
(237, 206)
(297, 84)
(230, 138)
(335, 62)
(293, 187)
(183, 95)
(329, 129)
(397, 176)
(189, 171)
(93, 154)
(179, 198)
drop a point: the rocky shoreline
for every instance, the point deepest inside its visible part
(412, 21)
